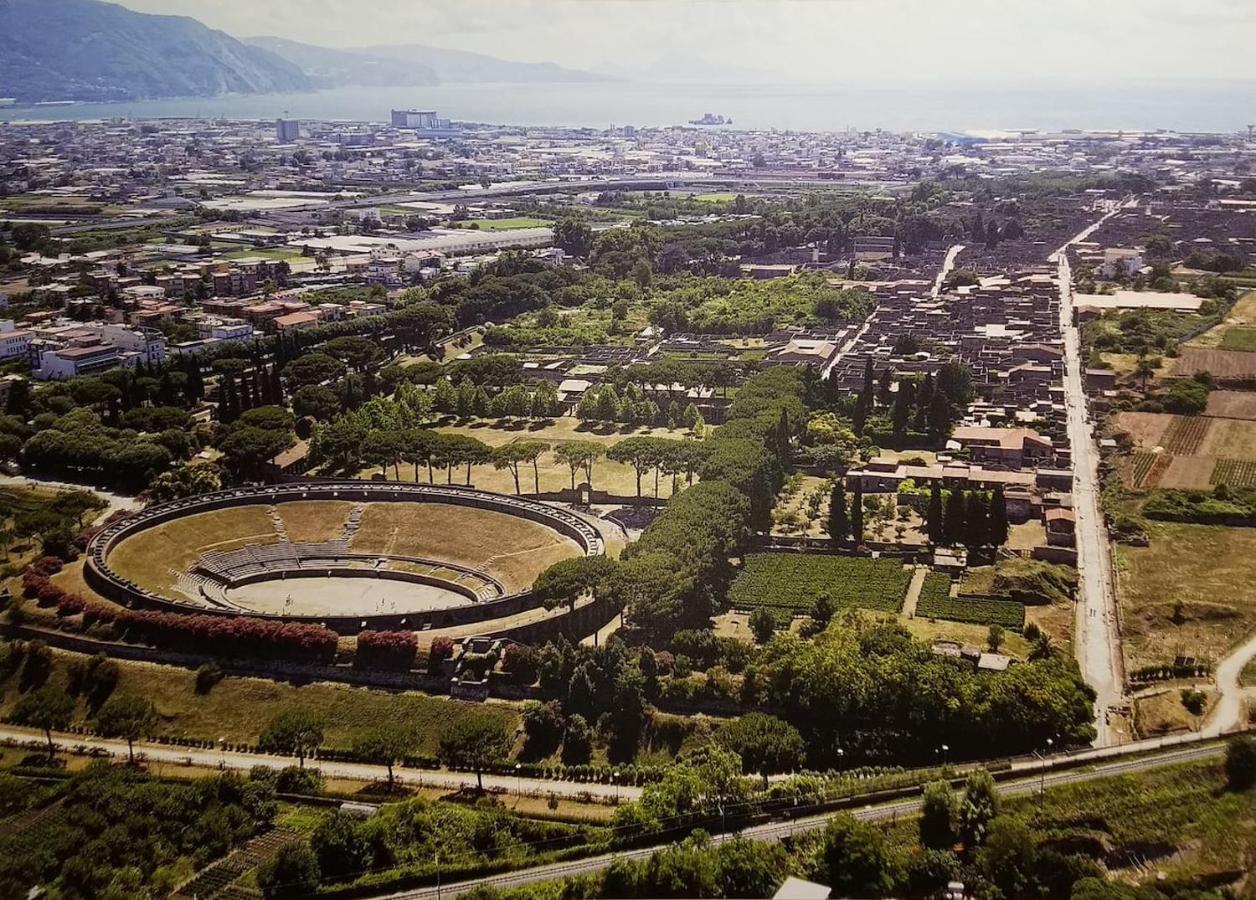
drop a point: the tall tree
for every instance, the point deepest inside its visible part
(839, 519)
(47, 708)
(976, 521)
(996, 530)
(126, 716)
(475, 742)
(933, 520)
(857, 515)
(297, 732)
(953, 517)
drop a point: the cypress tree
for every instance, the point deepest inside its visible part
(934, 520)
(997, 530)
(276, 385)
(194, 386)
(976, 524)
(782, 438)
(839, 521)
(228, 402)
(856, 515)
(246, 394)
(953, 518)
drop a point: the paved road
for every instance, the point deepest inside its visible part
(775, 831)
(1096, 638)
(231, 759)
(1228, 713)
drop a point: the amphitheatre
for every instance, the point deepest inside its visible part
(349, 555)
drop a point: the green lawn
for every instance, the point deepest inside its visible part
(509, 224)
(254, 253)
(1239, 338)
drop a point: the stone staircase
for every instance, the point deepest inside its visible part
(277, 520)
(352, 523)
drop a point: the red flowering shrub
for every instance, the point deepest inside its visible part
(386, 650)
(442, 649)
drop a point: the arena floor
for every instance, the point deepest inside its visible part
(342, 596)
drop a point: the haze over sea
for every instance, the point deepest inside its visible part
(1202, 106)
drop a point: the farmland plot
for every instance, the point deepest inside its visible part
(791, 582)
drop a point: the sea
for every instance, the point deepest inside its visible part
(1204, 106)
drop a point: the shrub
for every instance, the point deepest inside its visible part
(522, 663)
(207, 676)
(296, 780)
(762, 623)
(386, 650)
(442, 649)
(1240, 763)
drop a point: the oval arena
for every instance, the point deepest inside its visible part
(349, 555)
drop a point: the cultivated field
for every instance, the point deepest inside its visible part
(1235, 473)
(1224, 365)
(1192, 592)
(936, 602)
(154, 558)
(1231, 405)
(1185, 435)
(790, 582)
(1189, 452)
(509, 548)
(1147, 429)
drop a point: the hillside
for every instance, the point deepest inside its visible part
(88, 50)
(326, 67)
(410, 64)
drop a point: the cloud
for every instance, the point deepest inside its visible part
(985, 42)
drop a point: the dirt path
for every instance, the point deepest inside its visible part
(913, 591)
(1228, 711)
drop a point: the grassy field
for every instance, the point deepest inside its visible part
(964, 632)
(239, 708)
(1241, 318)
(314, 520)
(1162, 712)
(509, 224)
(618, 478)
(1239, 338)
(511, 549)
(790, 582)
(1191, 592)
(154, 558)
(272, 254)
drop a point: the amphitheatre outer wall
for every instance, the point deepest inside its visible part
(107, 582)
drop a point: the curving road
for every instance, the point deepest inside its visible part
(1230, 708)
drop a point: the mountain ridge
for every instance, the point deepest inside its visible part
(92, 50)
(448, 66)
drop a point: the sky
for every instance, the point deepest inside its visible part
(991, 43)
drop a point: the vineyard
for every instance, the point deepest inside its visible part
(936, 602)
(1185, 435)
(791, 581)
(1234, 473)
(1140, 468)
